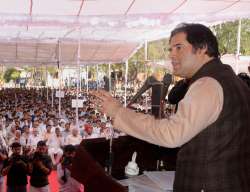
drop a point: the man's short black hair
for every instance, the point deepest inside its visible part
(15, 145)
(41, 143)
(69, 148)
(199, 36)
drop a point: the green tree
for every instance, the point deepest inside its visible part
(1, 78)
(156, 49)
(11, 74)
(53, 71)
(227, 37)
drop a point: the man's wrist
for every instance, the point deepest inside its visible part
(113, 110)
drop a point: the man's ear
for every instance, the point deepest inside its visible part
(204, 49)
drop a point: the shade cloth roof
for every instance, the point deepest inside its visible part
(109, 30)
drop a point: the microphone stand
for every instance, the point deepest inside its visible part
(159, 92)
(110, 160)
(157, 87)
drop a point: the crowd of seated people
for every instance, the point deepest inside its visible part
(27, 118)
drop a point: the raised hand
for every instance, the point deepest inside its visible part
(106, 103)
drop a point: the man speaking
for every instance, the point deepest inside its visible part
(211, 124)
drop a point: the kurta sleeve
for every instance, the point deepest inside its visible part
(199, 108)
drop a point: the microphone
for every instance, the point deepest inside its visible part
(159, 92)
(167, 80)
(150, 81)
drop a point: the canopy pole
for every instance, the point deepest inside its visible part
(78, 76)
(80, 82)
(41, 78)
(33, 77)
(87, 79)
(146, 59)
(109, 77)
(238, 47)
(126, 83)
(47, 91)
(52, 97)
(97, 77)
(59, 76)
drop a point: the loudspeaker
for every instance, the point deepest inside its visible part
(112, 75)
(89, 75)
(106, 83)
(119, 74)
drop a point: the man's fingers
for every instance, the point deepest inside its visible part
(102, 95)
(97, 94)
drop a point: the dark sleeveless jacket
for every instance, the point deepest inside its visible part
(218, 158)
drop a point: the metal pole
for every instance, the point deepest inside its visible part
(109, 77)
(87, 79)
(41, 78)
(238, 48)
(52, 97)
(80, 80)
(33, 77)
(78, 76)
(126, 83)
(15, 101)
(146, 58)
(97, 77)
(47, 91)
(59, 74)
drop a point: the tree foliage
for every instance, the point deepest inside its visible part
(11, 74)
(53, 71)
(227, 37)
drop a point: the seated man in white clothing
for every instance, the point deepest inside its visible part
(55, 144)
(66, 132)
(74, 138)
(47, 134)
(34, 139)
(11, 132)
(16, 138)
(41, 126)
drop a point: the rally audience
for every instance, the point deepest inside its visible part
(33, 136)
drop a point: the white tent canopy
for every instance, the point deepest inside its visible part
(239, 64)
(110, 30)
(33, 53)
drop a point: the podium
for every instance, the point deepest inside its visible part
(93, 157)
